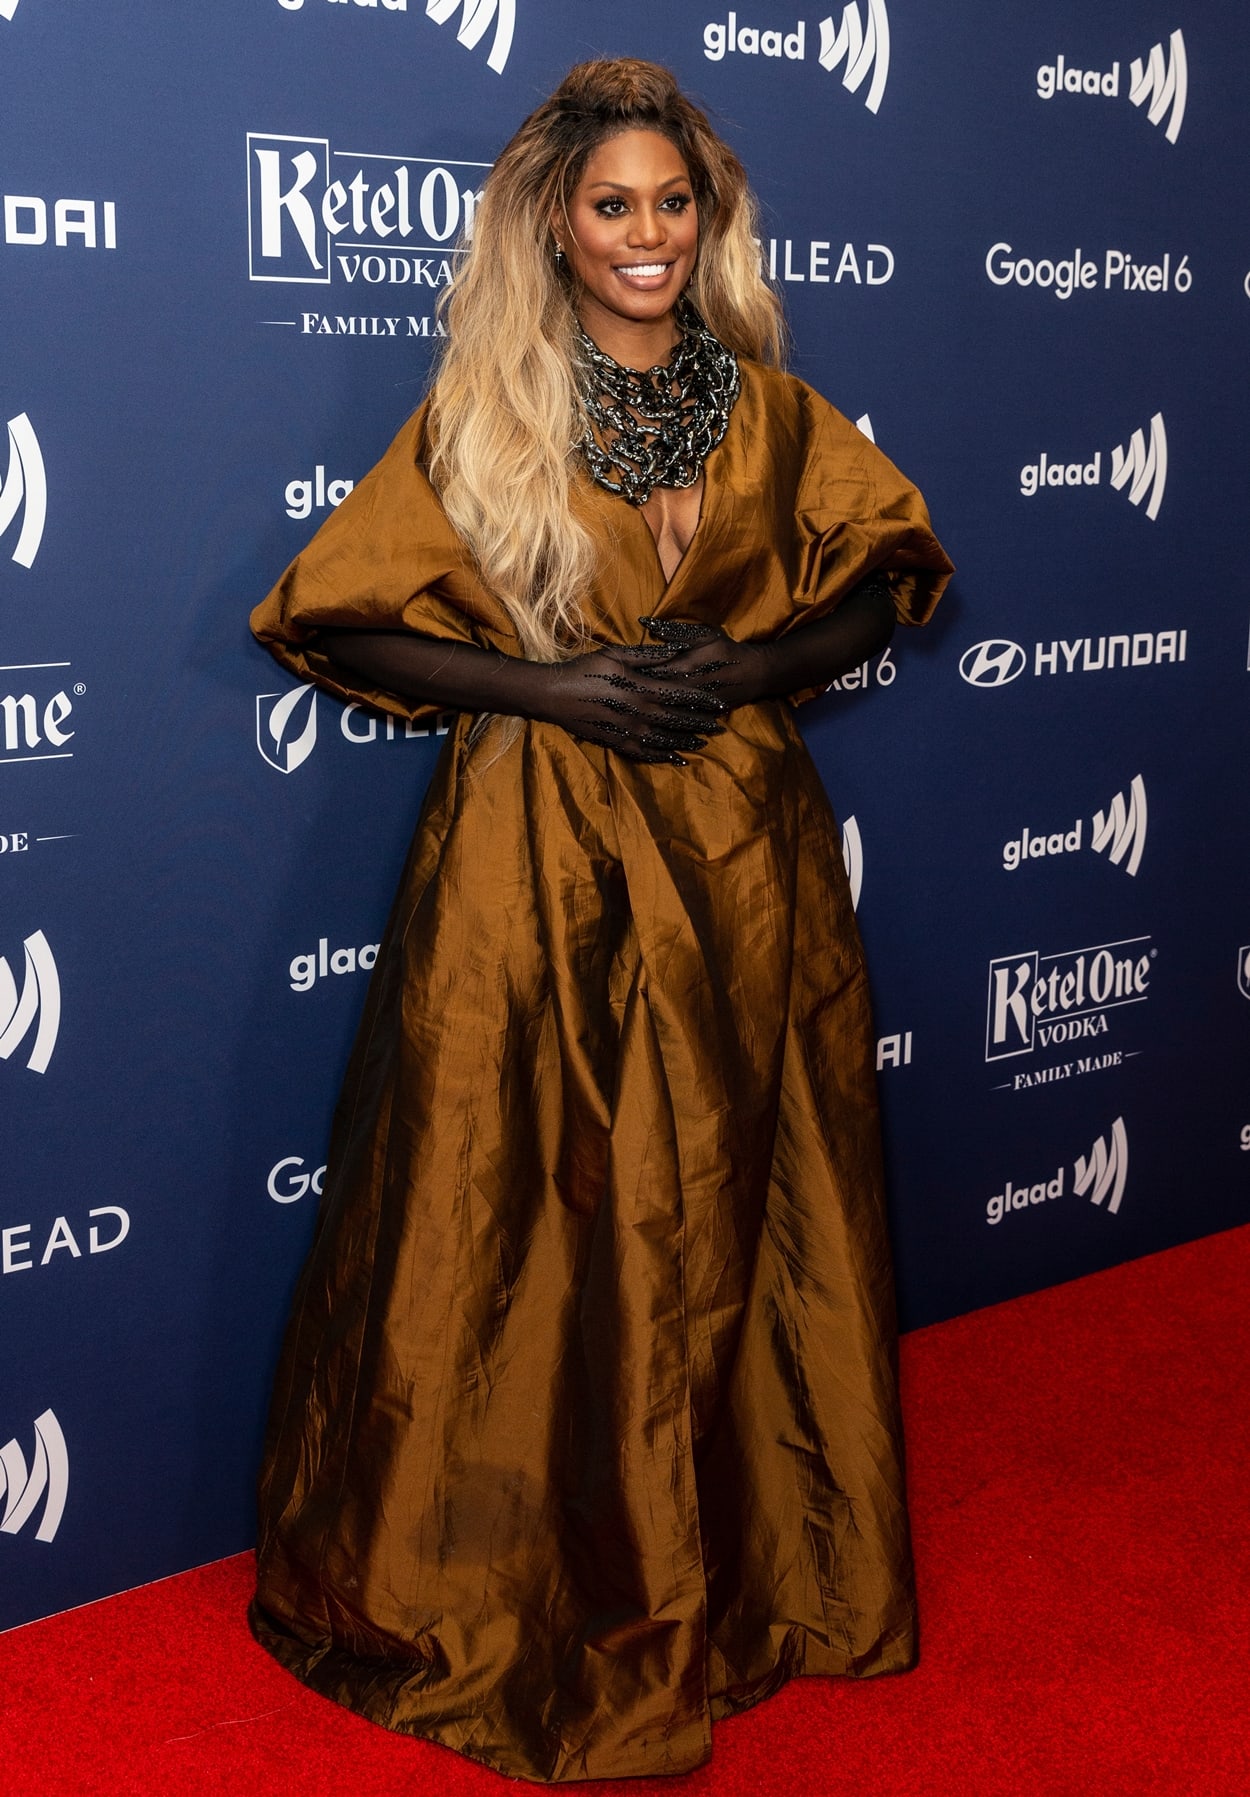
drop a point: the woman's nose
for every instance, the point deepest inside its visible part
(646, 227)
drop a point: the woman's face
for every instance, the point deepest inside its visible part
(631, 234)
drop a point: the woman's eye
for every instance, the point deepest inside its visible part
(610, 208)
(677, 202)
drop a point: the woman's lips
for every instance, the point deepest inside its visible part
(643, 275)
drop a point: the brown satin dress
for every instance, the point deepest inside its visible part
(585, 1431)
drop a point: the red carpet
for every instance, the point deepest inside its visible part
(1080, 1470)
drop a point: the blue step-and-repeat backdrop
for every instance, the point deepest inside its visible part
(1006, 243)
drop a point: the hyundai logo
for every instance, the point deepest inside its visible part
(995, 662)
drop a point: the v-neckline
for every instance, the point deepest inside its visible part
(668, 582)
(668, 579)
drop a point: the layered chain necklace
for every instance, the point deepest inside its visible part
(656, 427)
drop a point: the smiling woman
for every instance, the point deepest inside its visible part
(585, 1431)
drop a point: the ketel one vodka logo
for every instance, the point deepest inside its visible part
(1100, 1176)
(25, 489)
(45, 1481)
(1039, 1001)
(1158, 81)
(373, 220)
(35, 1012)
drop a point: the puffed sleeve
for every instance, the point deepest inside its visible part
(386, 559)
(856, 515)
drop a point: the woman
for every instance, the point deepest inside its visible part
(585, 1431)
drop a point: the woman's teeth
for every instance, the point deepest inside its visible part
(643, 268)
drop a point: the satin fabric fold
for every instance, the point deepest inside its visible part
(585, 1430)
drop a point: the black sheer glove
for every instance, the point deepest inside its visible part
(713, 665)
(617, 697)
(611, 696)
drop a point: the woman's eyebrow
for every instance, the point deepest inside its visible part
(624, 187)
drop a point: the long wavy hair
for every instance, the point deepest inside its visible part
(506, 415)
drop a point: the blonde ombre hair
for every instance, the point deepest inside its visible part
(505, 411)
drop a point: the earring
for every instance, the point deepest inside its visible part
(559, 252)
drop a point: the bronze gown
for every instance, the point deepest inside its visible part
(585, 1429)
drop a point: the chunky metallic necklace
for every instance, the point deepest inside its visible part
(656, 427)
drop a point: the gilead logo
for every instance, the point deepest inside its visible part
(286, 727)
(25, 488)
(1102, 1174)
(36, 1011)
(46, 1480)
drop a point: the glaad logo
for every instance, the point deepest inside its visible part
(475, 23)
(7, 8)
(39, 1004)
(1243, 971)
(853, 859)
(478, 15)
(862, 48)
(306, 970)
(301, 223)
(303, 495)
(1159, 82)
(25, 481)
(286, 727)
(1103, 1172)
(46, 1479)
(1036, 1001)
(997, 662)
(1120, 830)
(1142, 468)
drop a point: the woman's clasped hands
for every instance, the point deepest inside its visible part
(650, 701)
